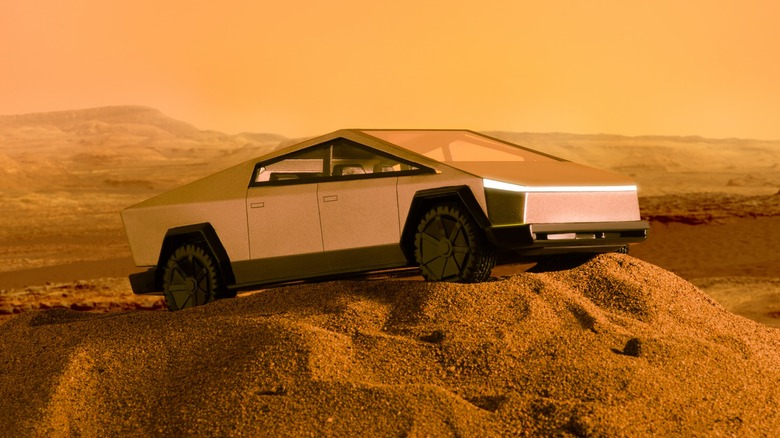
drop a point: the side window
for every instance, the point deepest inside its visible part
(350, 160)
(334, 160)
(303, 166)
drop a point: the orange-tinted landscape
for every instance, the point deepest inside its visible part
(680, 337)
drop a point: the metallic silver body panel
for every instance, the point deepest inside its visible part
(218, 199)
(358, 213)
(250, 273)
(567, 207)
(543, 173)
(282, 220)
(408, 186)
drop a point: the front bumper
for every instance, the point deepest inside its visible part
(532, 239)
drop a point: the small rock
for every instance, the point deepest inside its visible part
(436, 337)
(633, 347)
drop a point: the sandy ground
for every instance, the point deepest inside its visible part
(680, 338)
(616, 347)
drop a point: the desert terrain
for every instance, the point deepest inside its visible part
(680, 337)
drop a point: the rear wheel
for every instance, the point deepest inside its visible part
(190, 278)
(450, 246)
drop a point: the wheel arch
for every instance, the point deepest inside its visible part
(203, 234)
(424, 200)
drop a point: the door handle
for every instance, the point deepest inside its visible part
(257, 205)
(330, 198)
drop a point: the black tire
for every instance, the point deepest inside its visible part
(191, 278)
(450, 246)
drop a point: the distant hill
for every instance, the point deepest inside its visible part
(107, 147)
(92, 119)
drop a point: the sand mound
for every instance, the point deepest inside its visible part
(614, 347)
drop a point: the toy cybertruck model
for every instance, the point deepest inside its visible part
(353, 201)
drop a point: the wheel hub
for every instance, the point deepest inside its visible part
(445, 247)
(191, 285)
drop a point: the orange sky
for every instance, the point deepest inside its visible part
(297, 67)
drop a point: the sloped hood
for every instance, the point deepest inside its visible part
(543, 174)
(502, 162)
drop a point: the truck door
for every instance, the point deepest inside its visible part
(281, 204)
(283, 220)
(358, 213)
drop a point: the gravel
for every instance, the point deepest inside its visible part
(615, 347)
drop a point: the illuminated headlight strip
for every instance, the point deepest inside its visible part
(492, 184)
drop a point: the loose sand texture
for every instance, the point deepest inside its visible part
(615, 347)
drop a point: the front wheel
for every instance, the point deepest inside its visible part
(450, 246)
(190, 278)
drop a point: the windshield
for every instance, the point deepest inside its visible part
(451, 146)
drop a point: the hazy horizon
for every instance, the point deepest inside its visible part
(299, 68)
(285, 135)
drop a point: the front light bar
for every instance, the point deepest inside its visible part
(498, 185)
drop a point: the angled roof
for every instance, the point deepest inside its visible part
(476, 154)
